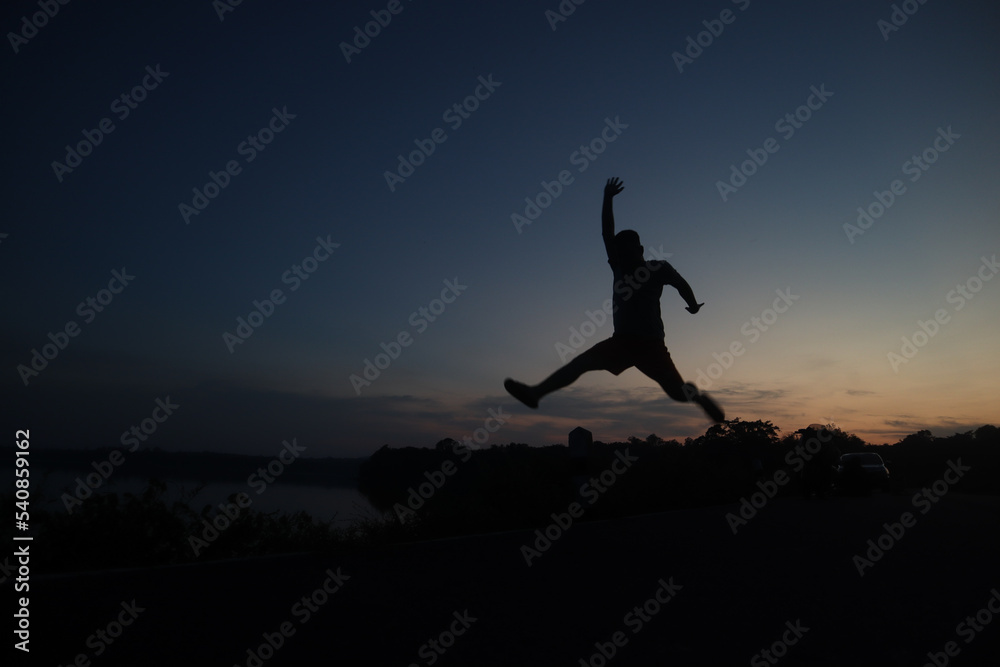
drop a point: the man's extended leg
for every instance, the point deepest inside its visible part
(594, 359)
(660, 367)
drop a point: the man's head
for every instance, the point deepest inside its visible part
(628, 246)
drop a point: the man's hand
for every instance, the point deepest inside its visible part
(695, 308)
(613, 187)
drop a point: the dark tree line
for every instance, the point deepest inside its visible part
(448, 489)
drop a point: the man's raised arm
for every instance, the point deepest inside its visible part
(613, 187)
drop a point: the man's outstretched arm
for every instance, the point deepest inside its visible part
(613, 187)
(687, 294)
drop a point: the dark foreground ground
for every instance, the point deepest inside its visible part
(733, 596)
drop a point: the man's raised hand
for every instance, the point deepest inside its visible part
(613, 187)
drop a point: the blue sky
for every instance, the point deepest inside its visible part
(826, 358)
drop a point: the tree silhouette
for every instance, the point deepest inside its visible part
(737, 430)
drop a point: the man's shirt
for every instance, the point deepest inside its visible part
(636, 299)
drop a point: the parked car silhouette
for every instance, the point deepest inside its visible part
(862, 471)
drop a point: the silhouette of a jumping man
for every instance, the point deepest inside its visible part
(638, 336)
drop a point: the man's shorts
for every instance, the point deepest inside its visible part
(621, 352)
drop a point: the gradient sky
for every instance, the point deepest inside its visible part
(824, 359)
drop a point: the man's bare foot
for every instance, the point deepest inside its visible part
(521, 392)
(710, 407)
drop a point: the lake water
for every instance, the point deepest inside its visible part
(340, 505)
